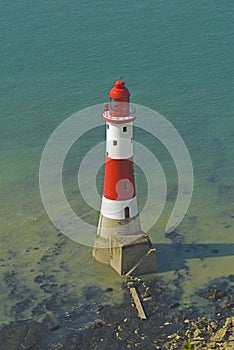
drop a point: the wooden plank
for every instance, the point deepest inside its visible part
(139, 307)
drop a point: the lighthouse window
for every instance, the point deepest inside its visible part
(114, 143)
(124, 129)
(126, 212)
(113, 104)
(107, 126)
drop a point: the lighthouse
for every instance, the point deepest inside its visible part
(120, 242)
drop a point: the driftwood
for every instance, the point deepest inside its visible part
(137, 302)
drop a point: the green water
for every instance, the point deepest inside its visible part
(58, 58)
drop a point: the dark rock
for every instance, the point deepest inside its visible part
(215, 251)
(46, 288)
(212, 294)
(230, 278)
(109, 289)
(12, 253)
(39, 309)
(63, 266)
(39, 278)
(54, 303)
(226, 193)
(213, 177)
(22, 335)
(9, 277)
(53, 327)
(97, 324)
(32, 337)
(92, 293)
(21, 306)
(227, 226)
(102, 326)
(174, 305)
(99, 308)
(174, 236)
(45, 258)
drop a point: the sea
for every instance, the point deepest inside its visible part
(60, 57)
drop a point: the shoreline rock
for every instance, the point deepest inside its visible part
(168, 324)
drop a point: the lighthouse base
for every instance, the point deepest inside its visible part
(127, 254)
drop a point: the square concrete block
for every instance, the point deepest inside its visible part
(132, 252)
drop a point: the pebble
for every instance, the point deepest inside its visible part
(53, 327)
(197, 333)
(147, 298)
(118, 336)
(174, 305)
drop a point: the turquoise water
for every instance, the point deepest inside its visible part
(59, 57)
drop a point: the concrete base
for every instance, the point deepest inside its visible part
(129, 253)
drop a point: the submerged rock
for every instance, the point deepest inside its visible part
(175, 237)
(226, 193)
(100, 326)
(22, 335)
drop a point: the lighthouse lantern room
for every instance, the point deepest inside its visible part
(120, 241)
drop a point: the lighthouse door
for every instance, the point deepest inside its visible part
(126, 212)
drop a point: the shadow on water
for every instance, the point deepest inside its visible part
(172, 256)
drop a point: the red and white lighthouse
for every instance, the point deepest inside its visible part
(120, 241)
(119, 195)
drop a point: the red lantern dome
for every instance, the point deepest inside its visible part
(118, 109)
(119, 92)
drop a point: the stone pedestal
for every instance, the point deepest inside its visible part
(122, 245)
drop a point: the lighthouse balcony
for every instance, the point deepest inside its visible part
(123, 113)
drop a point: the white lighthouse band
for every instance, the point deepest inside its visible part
(119, 143)
(119, 210)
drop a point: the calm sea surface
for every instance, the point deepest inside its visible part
(58, 57)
